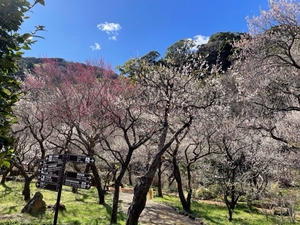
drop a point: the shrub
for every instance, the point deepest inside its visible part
(204, 194)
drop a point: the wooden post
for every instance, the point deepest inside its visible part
(60, 183)
(151, 193)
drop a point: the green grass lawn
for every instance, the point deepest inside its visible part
(215, 213)
(81, 208)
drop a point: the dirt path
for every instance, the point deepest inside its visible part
(157, 213)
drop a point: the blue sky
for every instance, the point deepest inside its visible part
(117, 30)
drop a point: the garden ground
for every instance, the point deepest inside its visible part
(157, 213)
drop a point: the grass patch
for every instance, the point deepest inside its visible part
(81, 208)
(215, 213)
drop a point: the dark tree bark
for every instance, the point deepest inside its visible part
(171, 179)
(133, 142)
(114, 214)
(130, 175)
(140, 194)
(118, 183)
(142, 188)
(26, 189)
(159, 175)
(4, 175)
(186, 205)
(27, 180)
(231, 195)
(190, 189)
(97, 178)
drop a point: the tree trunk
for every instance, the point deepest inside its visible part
(185, 204)
(159, 187)
(130, 175)
(140, 192)
(114, 213)
(28, 179)
(87, 168)
(74, 190)
(229, 213)
(4, 175)
(26, 189)
(118, 183)
(230, 204)
(171, 179)
(190, 189)
(98, 184)
(141, 189)
(139, 199)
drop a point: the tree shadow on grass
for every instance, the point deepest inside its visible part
(107, 208)
(121, 215)
(7, 189)
(204, 211)
(12, 209)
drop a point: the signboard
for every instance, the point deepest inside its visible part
(51, 174)
(48, 186)
(78, 176)
(50, 167)
(81, 159)
(54, 158)
(48, 178)
(77, 183)
(42, 172)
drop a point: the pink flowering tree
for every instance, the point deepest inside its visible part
(74, 98)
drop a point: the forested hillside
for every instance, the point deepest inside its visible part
(218, 50)
(27, 64)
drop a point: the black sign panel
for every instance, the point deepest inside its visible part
(50, 167)
(77, 183)
(54, 158)
(55, 173)
(81, 159)
(48, 186)
(47, 178)
(43, 163)
(78, 176)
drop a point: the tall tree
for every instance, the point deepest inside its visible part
(268, 69)
(131, 128)
(172, 96)
(74, 99)
(186, 153)
(240, 164)
(12, 15)
(220, 49)
(32, 134)
(180, 52)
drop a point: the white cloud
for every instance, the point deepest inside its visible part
(113, 38)
(110, 28)
(95, 47)
(200, 39)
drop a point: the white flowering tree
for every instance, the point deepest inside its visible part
(268, 70)
(173, 95)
